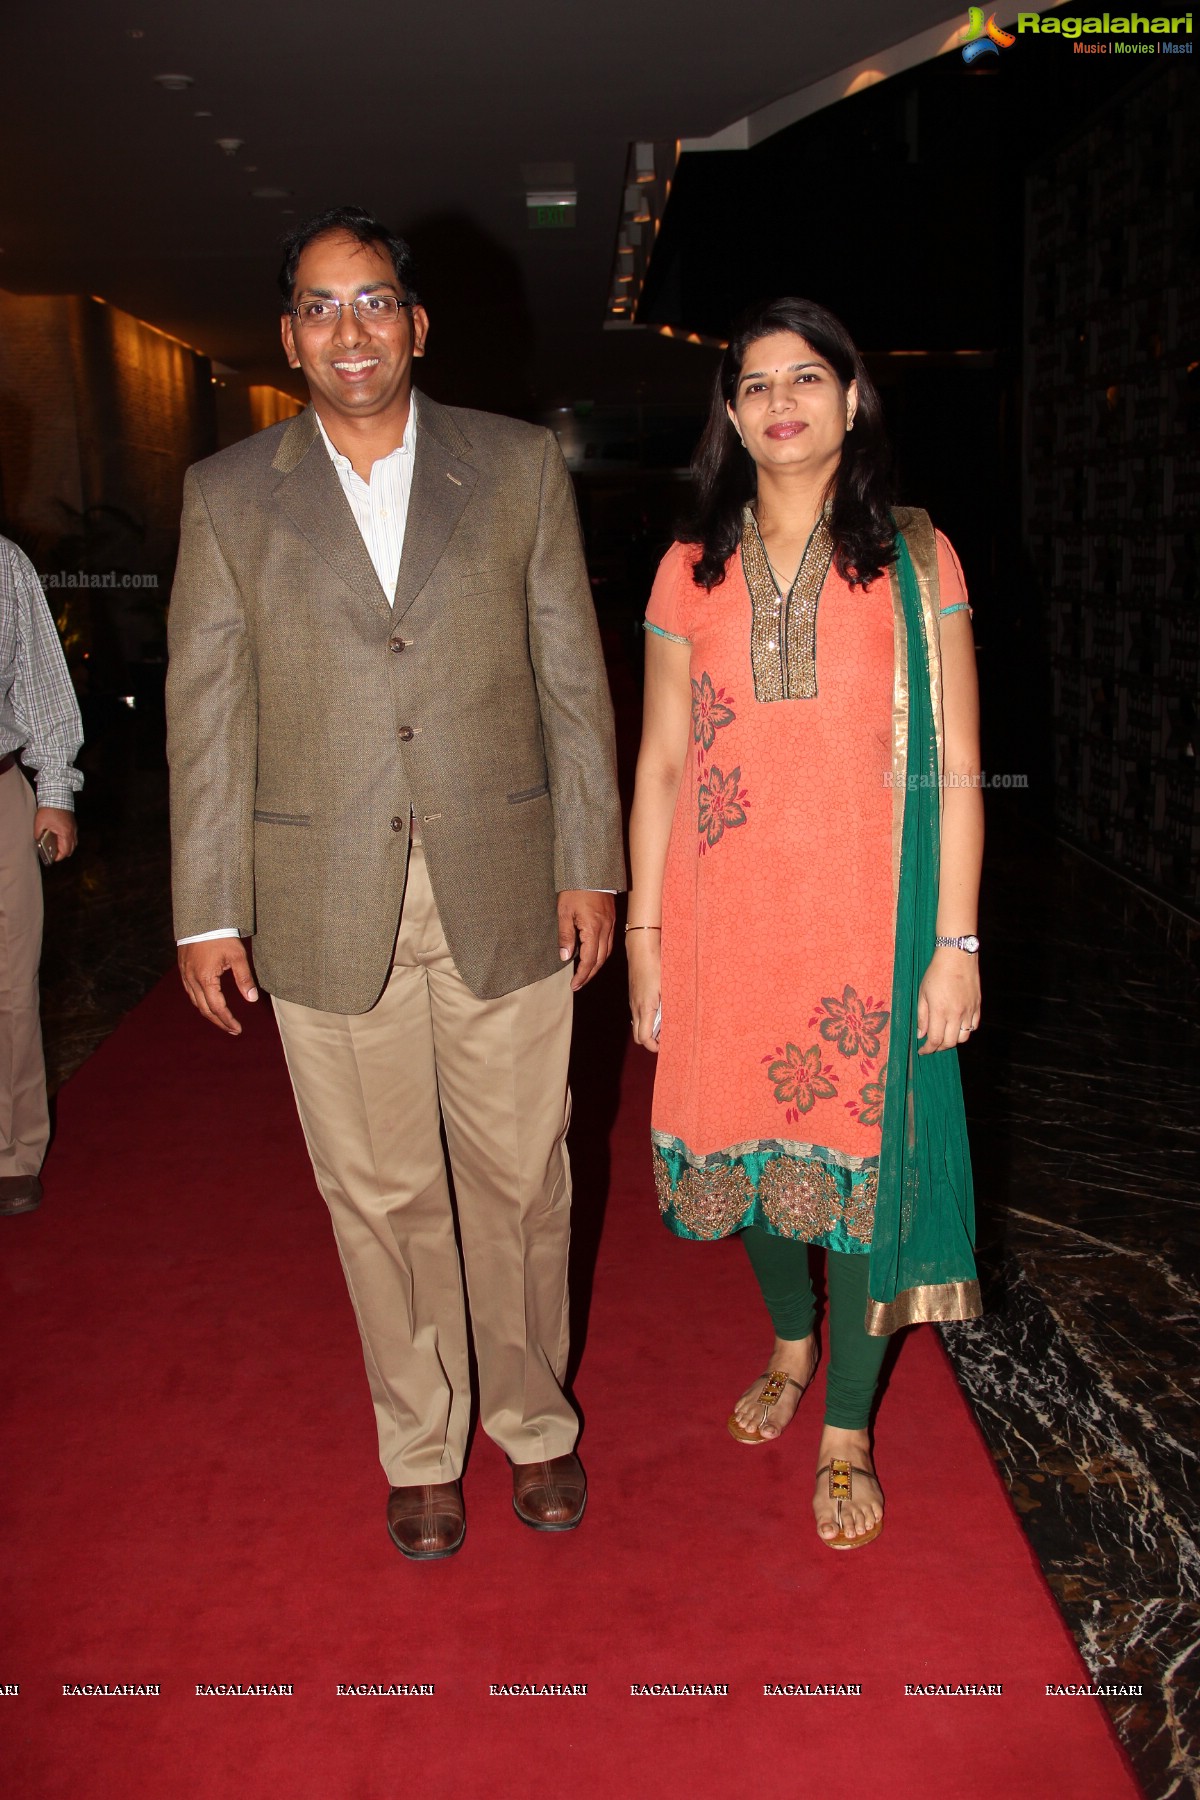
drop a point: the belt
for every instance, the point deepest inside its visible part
(6, 762)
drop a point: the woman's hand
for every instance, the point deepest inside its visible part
(948, 1002)
(643, 953)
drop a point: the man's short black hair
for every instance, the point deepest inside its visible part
(355, 223)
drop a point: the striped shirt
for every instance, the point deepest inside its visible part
(380, 505)
(39, 715)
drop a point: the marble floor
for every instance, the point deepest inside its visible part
(1082, 1097)
(1081, 1090)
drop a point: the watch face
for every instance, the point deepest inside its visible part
(971, 944)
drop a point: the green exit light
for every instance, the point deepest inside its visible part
(550, 218)
(551, 210)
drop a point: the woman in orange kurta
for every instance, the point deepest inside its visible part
(762, 843)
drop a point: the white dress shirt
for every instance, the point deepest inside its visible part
(380, 505)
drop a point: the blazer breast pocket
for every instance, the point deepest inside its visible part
(529, 793)
(280, 818)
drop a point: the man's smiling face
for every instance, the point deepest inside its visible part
(355, 368)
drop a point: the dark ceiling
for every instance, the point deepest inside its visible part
(426, 114)
(901, 208)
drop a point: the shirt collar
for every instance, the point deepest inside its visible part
(405, 447)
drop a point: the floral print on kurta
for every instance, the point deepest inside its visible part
(720, 797)
(722, 805)
(710, 710)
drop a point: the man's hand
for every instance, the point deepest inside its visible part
(61, 826)
(593, 917)
(201, 967)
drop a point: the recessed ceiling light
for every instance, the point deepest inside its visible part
(202, 114)
(271, 193)
(230, 146)
(135, 31)
(175, 84)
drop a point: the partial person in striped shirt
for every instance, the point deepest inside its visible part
(40, 726)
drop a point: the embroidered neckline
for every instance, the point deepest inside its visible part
(783, 633)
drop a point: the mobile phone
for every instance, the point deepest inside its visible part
(47, 847)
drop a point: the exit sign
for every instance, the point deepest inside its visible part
(552, 209)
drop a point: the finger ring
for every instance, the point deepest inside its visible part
(964, 1031)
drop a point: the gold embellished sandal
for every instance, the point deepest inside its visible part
(840, 1488)
(776, 1381)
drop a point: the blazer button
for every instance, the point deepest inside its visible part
(405, 734)
(396, 645)
(398, 824)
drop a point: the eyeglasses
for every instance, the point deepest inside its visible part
(368, 309)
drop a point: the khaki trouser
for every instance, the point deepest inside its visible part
(373, 1091)
(24, 1119)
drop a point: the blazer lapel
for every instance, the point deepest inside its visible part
(311, 494)
(442, 485)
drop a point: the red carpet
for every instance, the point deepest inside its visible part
(192, 1497)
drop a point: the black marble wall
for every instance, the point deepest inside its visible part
(1112, 508)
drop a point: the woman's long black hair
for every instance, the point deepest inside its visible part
(724, 472)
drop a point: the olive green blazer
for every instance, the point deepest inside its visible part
(307, 715)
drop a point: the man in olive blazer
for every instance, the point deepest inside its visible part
(392, 768)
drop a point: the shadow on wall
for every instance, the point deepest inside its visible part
(481, 332)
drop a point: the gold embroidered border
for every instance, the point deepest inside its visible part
(783, 638)
(899, 727)
(919, 535)
(921, 1305)
(922, 547)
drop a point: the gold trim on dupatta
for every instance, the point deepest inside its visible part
(924, 1305)
(921, 539)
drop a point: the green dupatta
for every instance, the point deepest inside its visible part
(921, 1261)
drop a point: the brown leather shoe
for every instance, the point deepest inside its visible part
(19, 1194)
(550, 1496)
(428, 1521)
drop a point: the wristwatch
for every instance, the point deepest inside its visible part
(969, 944)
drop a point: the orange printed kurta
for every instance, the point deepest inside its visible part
(778, 902)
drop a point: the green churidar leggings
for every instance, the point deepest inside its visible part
(855, 1358)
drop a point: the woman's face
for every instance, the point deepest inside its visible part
(791, 411)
